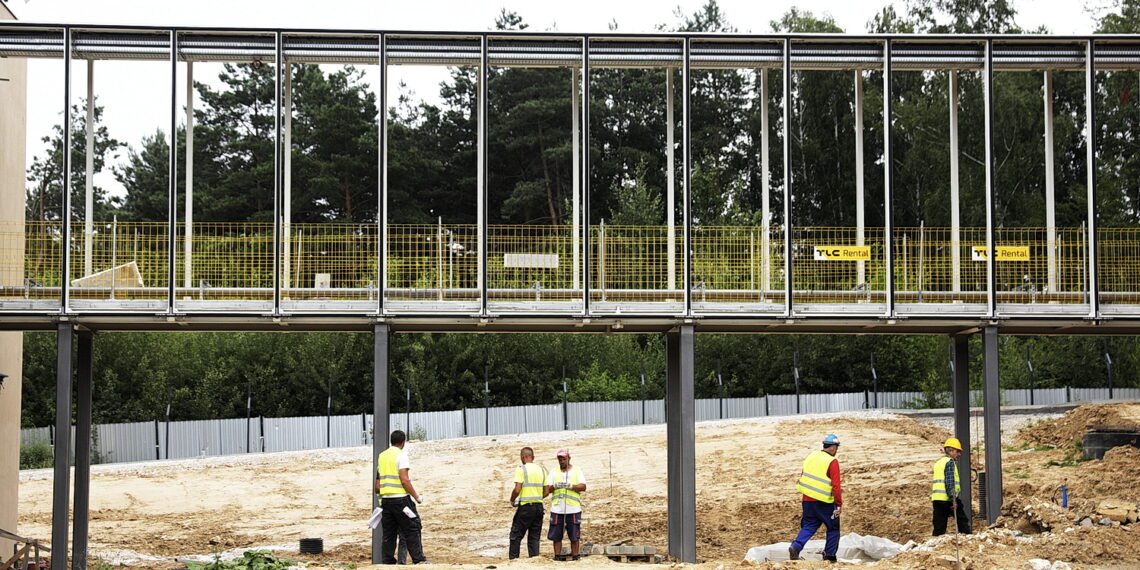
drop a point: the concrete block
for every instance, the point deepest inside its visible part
(650, 550)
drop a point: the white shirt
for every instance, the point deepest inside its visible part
(559, 476)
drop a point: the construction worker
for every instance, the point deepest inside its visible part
(566, 486)
(398, 509)
(947, 486)
(822, 499)
(529, 493)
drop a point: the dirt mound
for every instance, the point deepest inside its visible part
(1109, 546)
(1032, 515)
(1068, 429)
(899, 425)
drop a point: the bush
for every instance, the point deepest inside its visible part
(36, 456)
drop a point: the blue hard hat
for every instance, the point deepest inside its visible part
(831, 439)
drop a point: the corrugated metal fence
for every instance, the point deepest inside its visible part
(140, 441)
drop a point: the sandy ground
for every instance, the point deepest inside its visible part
(151, 514)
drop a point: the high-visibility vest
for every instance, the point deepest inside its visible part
(568, 497)
(814, 481)
(533, 478)
(938, 491)
(388, 473)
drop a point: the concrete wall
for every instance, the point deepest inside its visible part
(13, 119)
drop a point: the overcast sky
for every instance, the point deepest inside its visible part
(125, 104)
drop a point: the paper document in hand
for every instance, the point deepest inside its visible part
(374, 520)
(408, 511)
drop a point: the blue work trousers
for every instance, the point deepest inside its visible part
(815, 514)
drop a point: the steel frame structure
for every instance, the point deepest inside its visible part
(582, 53)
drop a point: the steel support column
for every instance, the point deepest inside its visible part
(278, 166)
(687, 175)
(991, 233)
(786, 108)
(379, 420)
(961, 389)
(680, 432)
(382, 164)
(992, 402)
(888, 185)
(1090, 173)
(82, 451)
(482, 203)
(62, 476)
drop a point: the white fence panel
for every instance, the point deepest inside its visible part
(1091, 394)
(1040, 396)
(122, 443)
(707, 409)
(585, 415)
(287, 434)
(30, 436)
(744, 407)
(781, 404)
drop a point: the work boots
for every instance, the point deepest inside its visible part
(829, 559)
(793, 554)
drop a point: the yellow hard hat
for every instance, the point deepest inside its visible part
(953, 442)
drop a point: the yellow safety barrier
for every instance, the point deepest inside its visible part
(536, 262)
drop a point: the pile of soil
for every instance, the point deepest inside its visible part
(1067, 430)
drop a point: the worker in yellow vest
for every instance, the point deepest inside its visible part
(527, 497)
(822, 499)
(565, 487)
(944, 495)
(398, 509)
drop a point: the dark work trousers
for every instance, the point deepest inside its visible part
(817, 513)
(944, 510)
(395, 522)
(528, 521)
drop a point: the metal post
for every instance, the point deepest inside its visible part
(643, 392)
(766, 192)
(382, 159)
(62, 474)
(960, 359)
(955, 206)
(576, 174)
(565, 406)
(888, 186)
(720, 388)
(681, 438)
(65, 215)
(287, 184)
(481, 173)
(1090, 169)
(248, 413)
(991, 233)
(328, 416)
(992, 425)
(89, 189)
(408, 410)
(687, 175)
(585, 170)
(670, 182)
(82, 453)
(278, 170)
(1050, 189)
(1108, 367)
(379, 420)
(1032, 379)
(860, 206)
(875, 379)
(188, 238)
(796, 377)
(172, 174)
(787, 115)
(486, 400)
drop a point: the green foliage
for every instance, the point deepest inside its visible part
(418, 433)
(36, 456)
(250, 560)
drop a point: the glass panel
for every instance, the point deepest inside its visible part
(532, 263)
(225, 227)
(31, 181)
(432, 241)
(738, 239)
(121, 168)
(838, 265)
(329, 249)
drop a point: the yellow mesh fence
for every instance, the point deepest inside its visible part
(533, 262)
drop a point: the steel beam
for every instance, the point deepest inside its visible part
(62, 476)
(481, 101)
(65, 215)
(680, 414)
(786, 128)
(379, 421)
(1090, 170)
(961, 389)
(382, 160)
(82, 451)
(687, 176)
(992, 397)
(888, 185)
(955, 204)
(991, 232)
(172, 178)
(278, 167)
